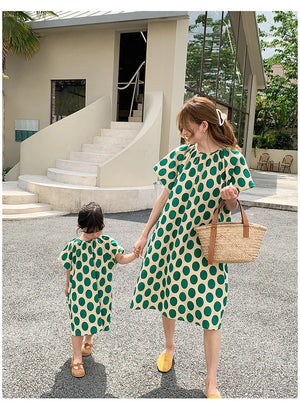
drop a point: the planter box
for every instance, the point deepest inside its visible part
(276, 155)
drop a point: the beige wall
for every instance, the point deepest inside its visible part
(92, 53)
(133, 166)
(165, 71)
(70, 54)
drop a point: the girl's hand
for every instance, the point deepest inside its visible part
(229, 193)
(139, 245)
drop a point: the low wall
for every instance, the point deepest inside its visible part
(56, 141)
(276, 155)
(133, 166)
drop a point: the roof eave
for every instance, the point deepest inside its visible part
(106, 18)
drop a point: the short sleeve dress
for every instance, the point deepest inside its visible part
(90, 293)
(175, 278)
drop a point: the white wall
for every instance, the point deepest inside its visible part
(56, 141)
(133, 166)
(64, 54)
(165, 71)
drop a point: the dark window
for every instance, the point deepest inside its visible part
(67, 97)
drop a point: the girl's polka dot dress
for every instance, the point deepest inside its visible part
(89, 296)
(175, 278)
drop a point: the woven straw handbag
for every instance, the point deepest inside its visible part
(230, 242)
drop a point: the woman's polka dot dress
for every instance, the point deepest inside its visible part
(89, 296)
(175, 278)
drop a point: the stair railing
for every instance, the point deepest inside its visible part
(136, 87)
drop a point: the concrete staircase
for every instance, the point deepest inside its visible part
(70, 178)
(19, 204)
(82, 167)
(137, 113)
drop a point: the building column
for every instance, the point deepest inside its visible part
(251, 108)
(165, 71)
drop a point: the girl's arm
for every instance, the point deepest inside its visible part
(155, 213)
(125, 258)
(67, 283)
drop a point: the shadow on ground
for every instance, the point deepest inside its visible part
(170, 389)
(92, 385)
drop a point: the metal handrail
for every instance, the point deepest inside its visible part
(131, 80)
(136, 85)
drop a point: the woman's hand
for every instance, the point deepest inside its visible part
(139, 245)
(230, 195)
(66, 290)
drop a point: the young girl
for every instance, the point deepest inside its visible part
(89, 261)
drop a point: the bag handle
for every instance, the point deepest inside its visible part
(214, 229)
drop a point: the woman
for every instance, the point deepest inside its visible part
(175, 278)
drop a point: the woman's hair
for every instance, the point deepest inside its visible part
(90, 217)
(199, 109)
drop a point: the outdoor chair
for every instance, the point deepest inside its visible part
(263, 161)
(286, 163)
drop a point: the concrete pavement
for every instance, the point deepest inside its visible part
(259, 338)
(272, 190)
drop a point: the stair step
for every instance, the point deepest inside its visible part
(33, 215)
(140, 107)
(91, 157)
(126, 134)
(13, 194)
(138, 112)
(134, 119)
(72, 177)
(109, 141)
(126, 125)
(81, 166)
(103, 147)
(25, 208)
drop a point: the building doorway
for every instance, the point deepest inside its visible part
(132, 55)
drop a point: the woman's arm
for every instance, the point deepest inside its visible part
(230, 195)
(155, 213)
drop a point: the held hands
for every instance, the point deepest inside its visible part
(139, 246)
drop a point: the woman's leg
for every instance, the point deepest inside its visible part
(169, 329)
(212, 343)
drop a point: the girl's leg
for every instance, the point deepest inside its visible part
(77, 342)
(88, 339)
(169, 329)
(86, 350)
(212, 344)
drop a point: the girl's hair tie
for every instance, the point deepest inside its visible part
(221, 119)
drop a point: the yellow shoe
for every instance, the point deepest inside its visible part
(218, 395)
(164, 362)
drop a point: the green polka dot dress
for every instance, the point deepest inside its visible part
(89, 296)
(175, 278)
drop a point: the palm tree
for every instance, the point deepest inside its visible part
(17, 35)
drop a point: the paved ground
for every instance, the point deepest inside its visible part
(259, 343)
